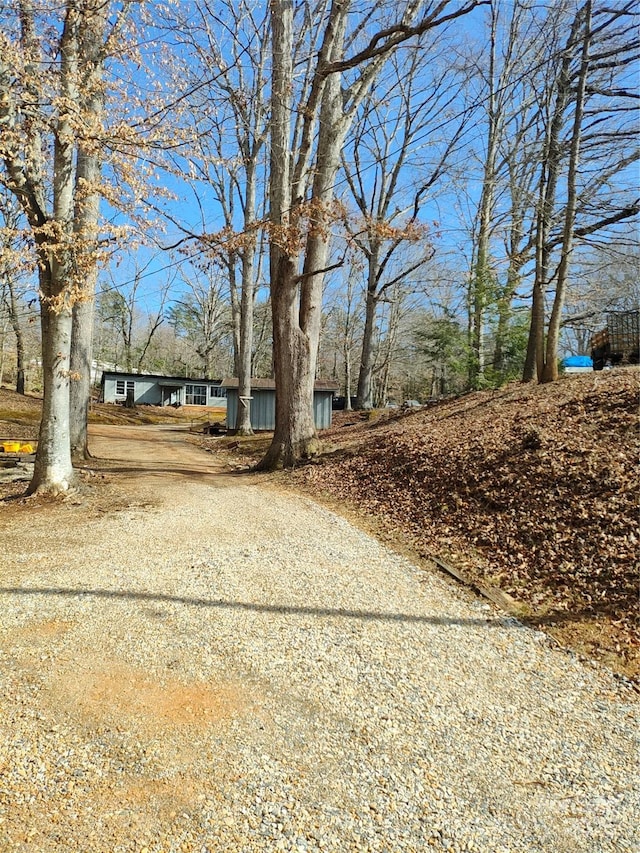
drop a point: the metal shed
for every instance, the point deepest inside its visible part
(263, 403)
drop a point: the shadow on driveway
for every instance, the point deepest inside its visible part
(277, 609)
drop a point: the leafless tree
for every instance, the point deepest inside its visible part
(14, 264)
(227, 125)
(352, 49)
(202, 313)
(86, 225)
(134, 330)
(590, 143)
(389, 180)
(507, 103)
(50, 114)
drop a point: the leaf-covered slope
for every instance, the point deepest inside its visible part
(531, 488)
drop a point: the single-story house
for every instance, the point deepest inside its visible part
(155, 390)
(263, 403)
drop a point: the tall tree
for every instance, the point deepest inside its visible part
(202, 314)
(133, 330)
(14, 257)
(228, 44)
(86, 222)
(590, 143)
(50, 115)
(504, 101)
(303, 168)
(46, 195)
(389, 181)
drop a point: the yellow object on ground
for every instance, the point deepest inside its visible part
(11, 446)
(26, 448)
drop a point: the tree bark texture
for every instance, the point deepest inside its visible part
(296, 300)
(17, 331)
(53, 470)
(247, 298)
(80, 373)
(294, 438)
(547, 193)
(86, 215)
(550, 370)
(482, 278)
(365, 375)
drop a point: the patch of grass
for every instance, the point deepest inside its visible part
(19, 415)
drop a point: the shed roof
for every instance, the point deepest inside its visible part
(270, 384)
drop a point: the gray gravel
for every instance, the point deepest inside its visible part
(233, 669)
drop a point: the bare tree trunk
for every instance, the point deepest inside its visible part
(347, 383)
(235, 310)
(243, 419)
(364, 398)
(127, 336)
(517, 254)
(346, 355)
(295, 435)
(294, 306)
(17, 331)
(482, 274)
(244, 362)
(390, 343)
(289, 356)
(347, 340)
(53, 470)
(296, 327)
(3, 331)
(551, 161)
(482, 277)
(87, 210)
(535, 343)
(88, 169)
(80, 367)
(550, 372)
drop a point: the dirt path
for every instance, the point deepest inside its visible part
(190, 661)
(153, 453)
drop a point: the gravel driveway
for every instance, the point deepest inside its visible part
(192, 661)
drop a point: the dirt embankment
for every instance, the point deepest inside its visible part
(531, 489)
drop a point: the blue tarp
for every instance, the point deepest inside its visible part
(577, 361)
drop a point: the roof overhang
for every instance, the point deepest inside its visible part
(269, 384)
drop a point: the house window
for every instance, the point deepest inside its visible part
(195, 395)
(217, 391)
(124, 386)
